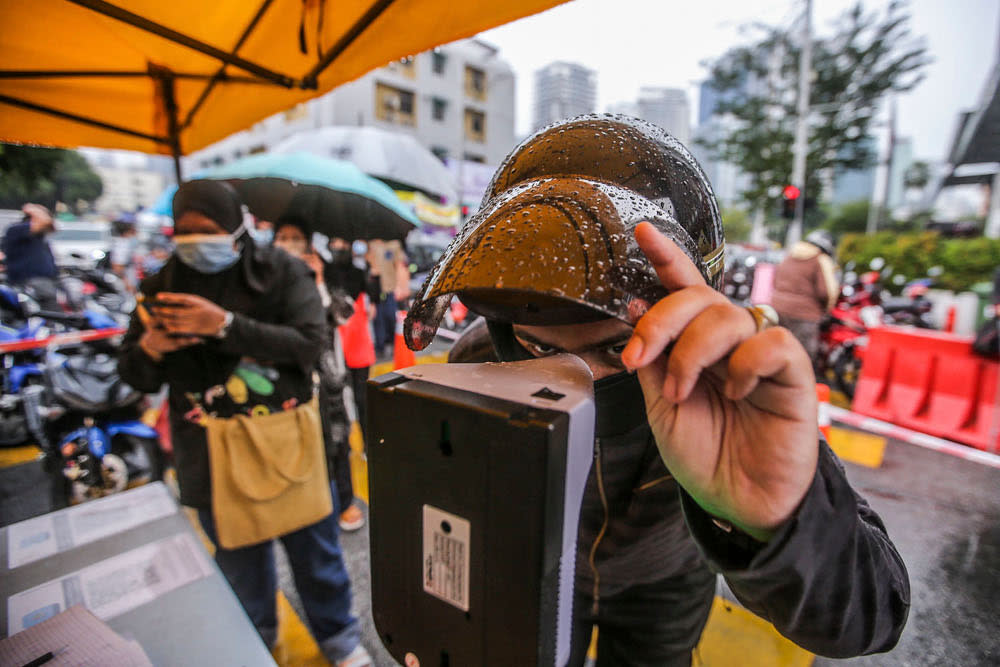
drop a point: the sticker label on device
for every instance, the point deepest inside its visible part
(446, 557)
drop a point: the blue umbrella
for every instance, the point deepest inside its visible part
(333, 196)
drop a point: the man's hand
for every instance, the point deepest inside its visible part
(40, 219)
(314, 262)
(155, 341)
(189, 314)
(733, 410)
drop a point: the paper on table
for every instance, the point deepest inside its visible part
(76, 637)
(49, 534)
(116, 585)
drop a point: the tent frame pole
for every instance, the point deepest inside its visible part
(125, 16)
(24, 104)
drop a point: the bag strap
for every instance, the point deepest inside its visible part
(295, 472)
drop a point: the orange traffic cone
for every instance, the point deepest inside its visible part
(402, 356)
(823, 412)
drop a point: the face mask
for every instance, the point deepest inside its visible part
(207, 253)
(262, 237)
(152, 264)
(619, 404)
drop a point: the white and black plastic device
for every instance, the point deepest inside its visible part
(476, 475)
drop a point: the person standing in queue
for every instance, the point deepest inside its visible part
(292, 235)
(348, 272)
(600, 236)
(234, 329)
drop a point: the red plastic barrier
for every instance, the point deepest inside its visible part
(931, 382)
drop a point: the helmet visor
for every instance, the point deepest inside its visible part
(549, 251)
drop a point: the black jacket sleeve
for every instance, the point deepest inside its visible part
(300, 336)
(830, 579)
(134, 366)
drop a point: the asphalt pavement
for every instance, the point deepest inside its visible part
(943, 514)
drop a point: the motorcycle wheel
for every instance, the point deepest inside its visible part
(846, 370)
(143, 456)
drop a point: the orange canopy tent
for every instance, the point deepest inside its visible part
(172, 76)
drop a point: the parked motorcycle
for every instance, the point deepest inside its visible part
(101, 446)
(864, 303)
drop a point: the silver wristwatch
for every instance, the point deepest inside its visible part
(226, 323)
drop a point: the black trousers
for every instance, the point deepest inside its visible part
(649, 625)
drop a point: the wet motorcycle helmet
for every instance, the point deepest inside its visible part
(553, 242)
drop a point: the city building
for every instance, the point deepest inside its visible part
(728, 182)
(854, 184)
(564, 90)
(624, 108)
(668, 108)
(457, 100)
(709, 98)
(131, 180)
(902, 158)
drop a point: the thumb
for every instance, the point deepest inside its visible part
(144, 316)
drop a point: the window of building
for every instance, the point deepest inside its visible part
(472, 157)
(438, 108)
(475, 83)
(441, 152)
(405, 66)
(438, 61)
(298, 112)
(475, 125)
(259, 148)
(394, 105)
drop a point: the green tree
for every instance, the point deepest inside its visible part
(45, 176)
(851, 218)
(736, 225)
(867, 57)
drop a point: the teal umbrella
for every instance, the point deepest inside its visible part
(332, 196)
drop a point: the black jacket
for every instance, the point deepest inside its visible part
(282, 325)
(830, 579)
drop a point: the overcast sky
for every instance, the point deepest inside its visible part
(633, 43)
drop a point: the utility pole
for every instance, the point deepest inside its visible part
(875, 212)
(801, 148)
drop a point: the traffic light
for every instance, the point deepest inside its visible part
(790, 196)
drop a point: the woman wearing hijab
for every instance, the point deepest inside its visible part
(235, 328)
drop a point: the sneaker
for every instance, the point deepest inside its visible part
(359, 657)
(352, 518)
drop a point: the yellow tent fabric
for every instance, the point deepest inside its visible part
(82, 41)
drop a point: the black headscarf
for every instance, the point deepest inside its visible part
(219, 201)
(295, 220)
